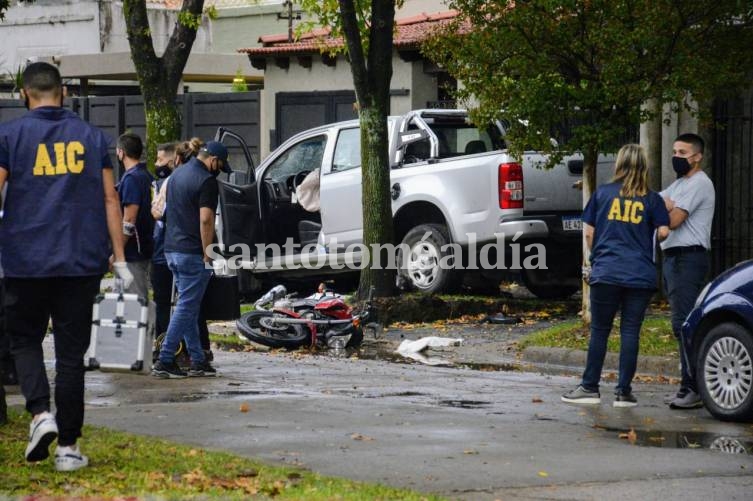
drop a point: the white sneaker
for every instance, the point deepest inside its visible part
(69, 459)
(42, 432)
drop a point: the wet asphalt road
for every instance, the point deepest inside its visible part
(464, 433)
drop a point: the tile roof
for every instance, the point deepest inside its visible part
(220, 4)
(410, 32)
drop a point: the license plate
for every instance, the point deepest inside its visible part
(572, 224)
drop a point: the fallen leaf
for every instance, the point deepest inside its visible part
(470, 451)
(244, 407)
(543, 474)
(358, 436)
(630, 436)
(536, 400)
(193, 452)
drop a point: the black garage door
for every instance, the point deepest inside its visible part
(298, 111)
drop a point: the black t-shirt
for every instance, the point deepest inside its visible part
(135, 188)
(191, 187)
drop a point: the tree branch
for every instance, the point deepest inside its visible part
(140, 41)
(352, 35)
(380, 47)
(180, 43)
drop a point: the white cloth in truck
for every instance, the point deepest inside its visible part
(307, 192)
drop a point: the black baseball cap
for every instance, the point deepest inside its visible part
(217, 149)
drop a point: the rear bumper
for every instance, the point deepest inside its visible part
(530, 228)
(541, 226)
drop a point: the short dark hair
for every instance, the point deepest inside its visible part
(43, 78)
(131, 144)
(693, 139)
(168, 147)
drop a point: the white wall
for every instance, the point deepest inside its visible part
(48, 28)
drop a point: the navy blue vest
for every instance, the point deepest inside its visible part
(183, 232)
(54, 222)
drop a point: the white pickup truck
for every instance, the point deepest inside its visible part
(448, 179)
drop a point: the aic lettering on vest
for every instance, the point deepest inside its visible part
(627, 211)
(68, 159)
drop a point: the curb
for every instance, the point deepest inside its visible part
(667, 366)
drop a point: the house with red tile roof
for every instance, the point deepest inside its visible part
(307, 82)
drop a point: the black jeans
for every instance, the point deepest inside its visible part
(29, 304)
(162, 283)
(4, 349)
(684, 277)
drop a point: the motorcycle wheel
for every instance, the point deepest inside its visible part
(291, 337)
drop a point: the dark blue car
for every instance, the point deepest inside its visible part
(720, 328)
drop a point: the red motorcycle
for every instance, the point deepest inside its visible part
(321, 322)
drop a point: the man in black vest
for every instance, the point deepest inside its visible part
(190, 212)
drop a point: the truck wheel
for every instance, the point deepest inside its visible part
(544, 285)
(724, 372)
(420, 269)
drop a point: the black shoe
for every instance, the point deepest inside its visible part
(624, 400)
(203, 369)
(168, 371)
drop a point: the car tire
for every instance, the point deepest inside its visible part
(544, 285)
(420, 269)
(724, 372)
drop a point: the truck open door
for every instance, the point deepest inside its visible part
(238, 220)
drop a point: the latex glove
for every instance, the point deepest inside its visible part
(120, 268)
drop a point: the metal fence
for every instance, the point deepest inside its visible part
(201, 113)
(732, 158)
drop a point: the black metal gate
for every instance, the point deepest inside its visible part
(732, 152)
(298, 111)
(202, 114)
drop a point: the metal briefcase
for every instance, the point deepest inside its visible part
(122, 333)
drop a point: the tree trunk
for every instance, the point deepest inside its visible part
(372, 74)
(654, 145)
(163, 120)
(377, 205)
(159, 77)
(590, 160)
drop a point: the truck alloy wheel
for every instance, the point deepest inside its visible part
(421, 267)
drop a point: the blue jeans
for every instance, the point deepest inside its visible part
(605, 301)
(191, 279)
(684, 277)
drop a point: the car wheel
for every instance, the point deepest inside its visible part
(420, 269)
(546, 285)
(725, 372)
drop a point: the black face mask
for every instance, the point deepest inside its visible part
(162, 171)
(26, 101)
(681, 166)
(215, 173)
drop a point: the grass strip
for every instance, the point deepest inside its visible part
(126, 465)
(656, 337)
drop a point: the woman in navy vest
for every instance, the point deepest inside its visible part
(620, 221)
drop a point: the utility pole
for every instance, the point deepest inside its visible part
(290, 16)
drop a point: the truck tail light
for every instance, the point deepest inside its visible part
(510, 186)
